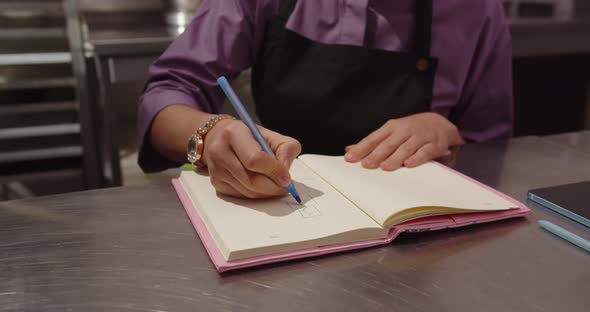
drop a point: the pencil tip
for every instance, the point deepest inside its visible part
(293, 191)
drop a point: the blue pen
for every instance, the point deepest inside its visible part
(237, 104)
(565, 234)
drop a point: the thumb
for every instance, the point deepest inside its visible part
(286, 148)
(287, 152)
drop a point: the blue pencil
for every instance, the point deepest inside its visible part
(239, 107)
(565, 234)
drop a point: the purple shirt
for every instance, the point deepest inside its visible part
(470, 38)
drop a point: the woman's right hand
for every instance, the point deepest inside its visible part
(239, 167)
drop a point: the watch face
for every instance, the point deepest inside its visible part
(192, 148)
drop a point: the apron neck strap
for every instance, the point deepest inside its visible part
(423, 23)
(285, 10)
(423, 27)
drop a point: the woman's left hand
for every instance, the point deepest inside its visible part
(409, 141)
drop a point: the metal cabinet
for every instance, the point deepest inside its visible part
(111, 121)
(39, 114)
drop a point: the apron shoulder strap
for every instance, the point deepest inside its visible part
(285, 10)
(423, 27)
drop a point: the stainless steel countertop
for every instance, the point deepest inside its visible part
(578, 140)
(531, 37)
(134, 249)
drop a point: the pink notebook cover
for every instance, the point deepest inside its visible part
(418, 225)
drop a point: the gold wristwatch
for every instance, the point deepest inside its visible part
(196, 141)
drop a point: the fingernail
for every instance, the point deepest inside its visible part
(368, 163)
(350, 156)
(284, 180)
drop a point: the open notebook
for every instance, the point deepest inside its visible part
(344, 207)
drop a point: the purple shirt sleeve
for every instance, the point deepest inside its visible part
(485, 109)
(221, 40)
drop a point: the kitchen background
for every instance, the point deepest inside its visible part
(71, 72)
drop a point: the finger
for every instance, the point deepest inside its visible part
(250, 184)
(383, 151)
(425, 154)
(457, 139)
(446, 159)
(403, 152)
(220, 178)
(251, 192)
(224, 188)
(235, 190)
(265, 186)
(348, 148)
(226, 166)
(366, 145)
(254, 159)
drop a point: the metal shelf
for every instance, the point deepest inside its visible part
(35, 58)
(38, 83)
(41, 135)
(33, 108)
(39, 131)
(38, 154)
(33, 33)
(33, 6)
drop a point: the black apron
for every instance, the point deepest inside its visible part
(329, 96)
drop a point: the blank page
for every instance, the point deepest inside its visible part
(382, 194)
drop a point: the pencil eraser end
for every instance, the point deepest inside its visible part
(222, 81)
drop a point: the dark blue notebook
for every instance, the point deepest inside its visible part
(570, 200)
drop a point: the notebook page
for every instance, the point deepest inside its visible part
(243, 228)
(382, 194)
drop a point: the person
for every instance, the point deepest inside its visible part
(386, 83)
